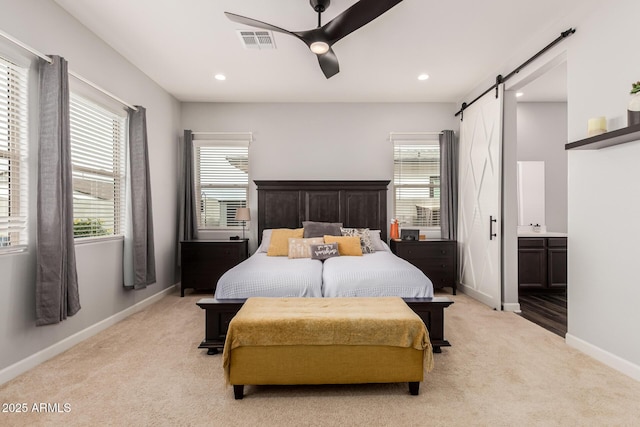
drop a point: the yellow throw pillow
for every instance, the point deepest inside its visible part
(347, 245)
(279, 244)
(300, 248)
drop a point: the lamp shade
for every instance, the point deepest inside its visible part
(243, 214)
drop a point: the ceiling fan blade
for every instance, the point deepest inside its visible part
(329, 63)
(355, 17)
(258, 24)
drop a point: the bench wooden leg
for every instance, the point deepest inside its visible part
(414, 388)
(238, 391)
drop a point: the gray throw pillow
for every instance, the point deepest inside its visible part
(321, 229)
(324, 250)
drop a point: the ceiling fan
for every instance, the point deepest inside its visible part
(320, 39)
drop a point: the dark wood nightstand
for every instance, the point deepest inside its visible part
(203, 262)
(437, 258)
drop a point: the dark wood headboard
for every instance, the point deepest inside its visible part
(358, 204)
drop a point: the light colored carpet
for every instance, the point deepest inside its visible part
(501, 371)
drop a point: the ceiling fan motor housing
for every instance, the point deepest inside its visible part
(320, 5)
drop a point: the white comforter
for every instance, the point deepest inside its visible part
(373, 275)
(260, 275)
(378, 274)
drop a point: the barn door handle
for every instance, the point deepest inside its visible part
(491, 233)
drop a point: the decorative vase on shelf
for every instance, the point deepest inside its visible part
(633, 109)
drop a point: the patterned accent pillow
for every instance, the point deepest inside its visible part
(365, 238)
(324, 251)
(299, 248)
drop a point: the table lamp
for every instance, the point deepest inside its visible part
(244, 215)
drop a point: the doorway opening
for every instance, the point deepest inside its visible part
(542, 244)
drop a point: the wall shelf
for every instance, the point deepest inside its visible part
(608, 139)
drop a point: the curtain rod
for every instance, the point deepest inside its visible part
(500, 79)
(392, 134)
(71, 73)
(247, 134)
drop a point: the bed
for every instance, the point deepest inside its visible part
(376, 274)
(354, 204)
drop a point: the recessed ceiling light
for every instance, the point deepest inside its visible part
(220, 77)
(519, 94)
(423, 76)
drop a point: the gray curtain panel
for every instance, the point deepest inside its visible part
(139, 255)
(448, 185)
(56, 278)
(188, 227)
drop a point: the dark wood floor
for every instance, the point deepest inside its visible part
(548, 310)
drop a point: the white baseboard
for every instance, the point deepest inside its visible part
(483, 298)
(511, 306)
(10, 372)
(609, 359)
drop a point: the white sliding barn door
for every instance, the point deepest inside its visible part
(479, 203)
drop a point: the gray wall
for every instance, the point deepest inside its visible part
(603, 288)
(542, 133)
(314, 141)
(47, 28)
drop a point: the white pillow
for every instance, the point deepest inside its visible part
(376, 241)
(266, 240)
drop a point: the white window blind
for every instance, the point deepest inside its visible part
(97, 154)
(13, 156)
(221, 181)
(416, 180)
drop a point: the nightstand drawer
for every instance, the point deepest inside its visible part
(408, 251)
(446, 251)
(441, 279)
(432, 265)
(444, 269)
(531, 242)
(207, 252)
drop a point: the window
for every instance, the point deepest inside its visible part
(221, 182)
(416, 179)
(13, 156)
(97, 155)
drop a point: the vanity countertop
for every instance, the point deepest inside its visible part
(541, 234)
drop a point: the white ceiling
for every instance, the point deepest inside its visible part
(549, 87)
(181, 44)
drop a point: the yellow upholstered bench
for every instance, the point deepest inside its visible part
(326, 341)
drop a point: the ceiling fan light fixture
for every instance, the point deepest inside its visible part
(321, 39)
(319, 48)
